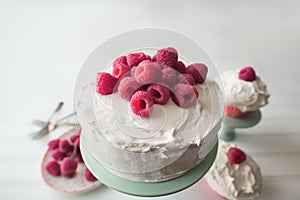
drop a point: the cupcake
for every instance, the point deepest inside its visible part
(234, 174)
(244, 92)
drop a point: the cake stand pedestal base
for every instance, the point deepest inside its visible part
(227, 132)
(143, 188)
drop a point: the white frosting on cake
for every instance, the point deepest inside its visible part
(168, 124)
(165, 145)
(234, 181)
(245, 95)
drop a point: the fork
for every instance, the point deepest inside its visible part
(46, 126)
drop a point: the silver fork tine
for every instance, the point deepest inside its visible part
(39, 122)
(46, 128)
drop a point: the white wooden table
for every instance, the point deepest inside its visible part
(42, 47)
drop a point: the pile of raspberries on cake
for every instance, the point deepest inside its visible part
(145, 81)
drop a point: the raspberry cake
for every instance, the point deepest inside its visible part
(244, 92)
(234, 174)
(155, 117)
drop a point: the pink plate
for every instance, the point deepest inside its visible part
(75, 185)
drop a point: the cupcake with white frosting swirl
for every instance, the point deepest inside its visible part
(234, 174)
(244, 92)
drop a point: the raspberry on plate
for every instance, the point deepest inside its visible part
(159, 93)
(148, 72)
(74, 137)
(53, 168)
(184, 95)
(141, 103)
(127, 87)
(78, 157)
(57, 155)
(53, 144)
(167, 56)
(198, 71)
(68, 167)
(134, 59)
(120, 70)
(106, 83)
(236, 156)
(77, 143)
(70, 152)
(64, 146)
(247, 74)
(89, 176)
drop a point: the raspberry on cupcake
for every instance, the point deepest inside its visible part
(244, 92)
(234, 174)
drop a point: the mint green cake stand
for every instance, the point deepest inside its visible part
(147, 189)
(227, 132)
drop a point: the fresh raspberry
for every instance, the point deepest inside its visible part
(53, 144)
(247, 74)
(53, 168)
(234, 112)
(132, 71)
(121, 59)
(68, 166)
(159, 93)
(148, 72)
(74, 137)
(145, 62)
(167, 56)
(186, 79)
(78, 157)
(184, 95)
(127, 87)
(64, 146)
(134, 59)
(70, 152)
(106, 83)
(57, 155)
(236, 156)
(120, 70)
(77, 143)
(141, 103)
(89, 176)
(148, 57)
(169, 76)
(198, 71)
(180, 67)
(153, 59)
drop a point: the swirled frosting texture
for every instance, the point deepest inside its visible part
(143, 148)
(234, 181)
(246, 96)
(167, 125)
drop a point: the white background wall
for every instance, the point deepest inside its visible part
(43, 45)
